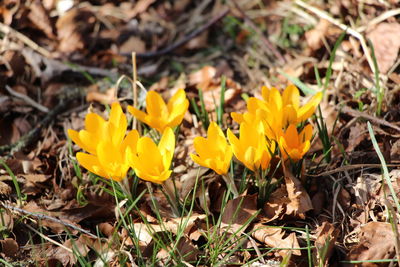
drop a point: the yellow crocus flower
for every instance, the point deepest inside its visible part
(151, 162)
(160, 115)
(106, 143)
(213, 152)
(294, 145)
(252, 148)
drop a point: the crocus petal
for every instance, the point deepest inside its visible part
(155, 105)
(74, 135)
(291, 96)
(118, 123)
(90, 163)
(308, 109)
(140, 115)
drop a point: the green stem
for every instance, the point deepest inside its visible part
(124, 183)
(231, 184)
(172, 198)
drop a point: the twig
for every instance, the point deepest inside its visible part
(182, 41)
(356, 113)
(356, 34)
(351, 167)
(33, 134)
(27, 99)
(46, 217)
(49, 239)
(8, 30)
(269, 47)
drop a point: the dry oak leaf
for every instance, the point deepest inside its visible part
(376, 241)
(300, 201)
(325, 243)
(274, 237)
(9, 247)
(386, 41)
(276, 205)
(238, 212)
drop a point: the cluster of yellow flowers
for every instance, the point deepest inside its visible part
(112, 152)
(268, 123)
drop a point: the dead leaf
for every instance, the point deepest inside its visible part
(108, 97)
(274, 237)
(315, 36)
(6, 220)
(276, 205)
(40, 17)
(300, 201)
(133, 44)
(376, 241)
(9, 247)
(139, 7)
(237, 213)
(68, 258)
(198, 42)
(386, 41)
(325, 243)
(73, 28)
(358, 133)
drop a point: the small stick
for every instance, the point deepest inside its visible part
(182, 41)
(269, 46)
(27, 99)
(134, 86)
(8, 30)
(351, 31)
(356, 113)
(46, 217)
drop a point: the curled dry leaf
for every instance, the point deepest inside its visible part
(315, 36)
(206, 79)
(40, 17)
(237, 213)
(376, 241)
(69, 257)
(300, 201)
(9, 247)
(276, 237)
(325, 243)
(276, 205)
(386, 41)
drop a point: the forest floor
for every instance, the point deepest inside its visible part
(338, 206)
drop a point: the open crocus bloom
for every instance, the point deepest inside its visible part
(106, 143)
(214, 151)
(151, 162)
(293, 145)
(160, 115)
(252, 147)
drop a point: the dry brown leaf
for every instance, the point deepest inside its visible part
(276, 205)
(9, 247)
(68, 258)
(300, 201)
(40, 17)
(108, 97)
(274, 237)
(198, 42)
(139, 7)
(376, 241)
(325, 243)
(133, 44)
(386, 41)
(237, 213)
(72, 28)
(358, 133)
(315, 36)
